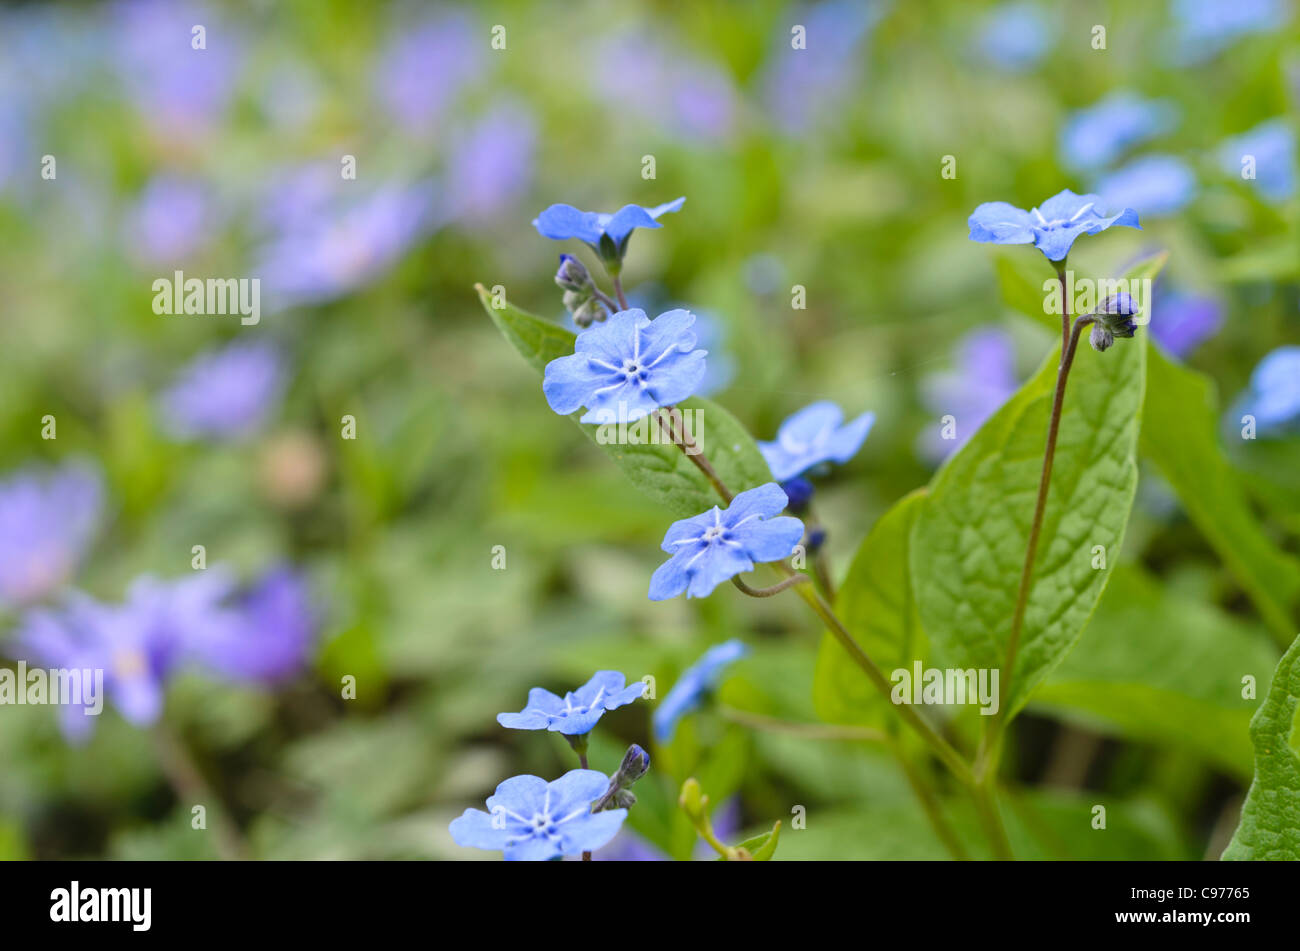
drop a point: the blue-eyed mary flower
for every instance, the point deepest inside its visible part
(983, 378)
(627, 367)
(1183, 321)
(1152, 185)
(226, 394)
(1267, 153)
(1274, 394)
(47, 519)
(530, 819)
(1095, 137)
(719, 544)
(691, 687)
(576, 712)
(607, 235)
(1116, 316)
(815, 434)
(1052, 227)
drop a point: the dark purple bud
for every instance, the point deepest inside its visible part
(799, 491)
(572, 275)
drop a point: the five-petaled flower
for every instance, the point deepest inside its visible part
(692, 685)
(719, 544)
(627, 367)
(577, 712)
(1052, 227)
(530, 819)
(813, 436)
(607, 235)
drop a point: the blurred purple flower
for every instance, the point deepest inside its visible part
(329, 245)
(985, 377)
(423, 68)
(1013, 37)
(47, 519)
(1181, 322)
(264, 634)
(225, 394)
(1271, 146)
(1204, 27)
(1151, 185)
(492, 166)
(180, 91)
(804, 86)
(660, 83)
(1094, 137)
(170, 220)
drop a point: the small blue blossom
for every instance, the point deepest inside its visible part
(607, 235)
(1274, 394)
(530, 819)
(1095, 137)
(578, 711)
(984, 378)
(1272, 146)
(627, 367)
(697, 680)
(719, 544)
(1152, 185)
(1052, 227)
(1014, 37)
(812, 436)
(1205, 27)
(47, 520)
(225, 395)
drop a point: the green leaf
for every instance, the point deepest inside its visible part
(968, 544)
(1270, 817)
(662, 472)
(1161, 667)
(1179, 433)
(762, 847)
(875, 602)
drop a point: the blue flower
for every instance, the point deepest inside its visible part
(1272, 145)
(530, 819)
(47, 520)
(1052, 228)
(1094, 137)
(1274, 394)
(607, 235)
(984, 379)
(627, 367)
(813, 436)
(697, 680)
(226, 394)
(579, 710)
(1204, 27)
(710, 548)
(1014, 37)
(1182, 321)
(1152, 185)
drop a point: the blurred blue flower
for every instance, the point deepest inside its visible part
(803, 87)
(333, 245)
(720, 368)
(491, 166)
(716, 545)
(530, 819)
(579, 710)
(180, 91)
(1094, 137)
(1052, 228)
(692, 686)
(607, 235)
(1152, 185)
(425, 66)
(812, 436)
(171, 219)
(1272, 146)
(1204, 27)
(261, 635)
(47, 519)
(627, 367)
(984, 379)
(226, 394)
(1181, 322)
(1273, 396)
(1014, 37)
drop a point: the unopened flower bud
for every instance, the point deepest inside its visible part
(636, 762)
(1116, 314)
(799, 491)
(1100, 338)
(572, 275)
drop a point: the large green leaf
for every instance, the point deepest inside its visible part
(968, 544)
(1162, 667)
(1270, 817)
(1179, 425)
(875, 602)
(1179, 434)
(663, 472)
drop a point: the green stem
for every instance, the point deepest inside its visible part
(771, 589)
(192, 789)
(618, 290)
(925, 795)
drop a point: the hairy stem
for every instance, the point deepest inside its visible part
(618, 291)
(770, 589)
